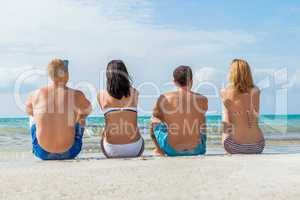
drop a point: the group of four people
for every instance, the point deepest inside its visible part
(178, 125)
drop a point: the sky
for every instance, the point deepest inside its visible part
(152, 37)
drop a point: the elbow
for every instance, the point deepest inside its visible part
(29, 111)
(89, 110)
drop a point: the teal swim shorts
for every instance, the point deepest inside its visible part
(161, 135)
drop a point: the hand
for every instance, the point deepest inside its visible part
(158, 152)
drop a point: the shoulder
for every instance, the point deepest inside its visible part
(101, 93)
(164, 97)
(228, 89)
(134, 91)
(33, 95)
(227, 92)
(169, 94)
(255, 90)
(77, 93)
(201, 100)
(199, 96)
(41, 90)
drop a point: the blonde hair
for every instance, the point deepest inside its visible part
(240, 76)
(57, 70)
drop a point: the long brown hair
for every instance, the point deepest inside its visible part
(240, 76)
(118, 81)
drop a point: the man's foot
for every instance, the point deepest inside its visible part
(158, 152)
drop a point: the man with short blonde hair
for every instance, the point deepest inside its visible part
(58, 69)
(59, 114)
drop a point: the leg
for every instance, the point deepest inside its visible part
(103, 149)
(229, 146)
(224, 137)
(142, 149)
(76, 148)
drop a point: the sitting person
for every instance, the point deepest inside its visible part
(242, 134)
(59, 114)
(178, 123)
(121, 137)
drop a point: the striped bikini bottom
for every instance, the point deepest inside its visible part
(233, 148)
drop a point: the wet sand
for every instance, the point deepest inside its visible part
(208, 177)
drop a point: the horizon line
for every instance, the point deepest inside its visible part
(209, 115)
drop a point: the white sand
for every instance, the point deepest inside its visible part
(211, 177)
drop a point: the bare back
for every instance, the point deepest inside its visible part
(120, 126)
(184, 114)
(55, 112)
(241, 115)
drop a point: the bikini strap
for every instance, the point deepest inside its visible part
(108, 110)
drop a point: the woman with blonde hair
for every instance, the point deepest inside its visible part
(241, 134)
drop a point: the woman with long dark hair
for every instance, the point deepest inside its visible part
(120, 137)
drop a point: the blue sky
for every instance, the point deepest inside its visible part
(153, 37)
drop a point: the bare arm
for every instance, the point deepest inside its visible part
(100, 99)
(83, 107)
(156, 119)
(136, 97)
(256, 101)
(226, 121)
(205, 105)
(157, 111)
(204, 110)
(29, 105)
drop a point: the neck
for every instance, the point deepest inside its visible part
(184, 89)
(59, 85)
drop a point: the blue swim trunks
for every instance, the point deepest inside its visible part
(39, 152)
(161, 135)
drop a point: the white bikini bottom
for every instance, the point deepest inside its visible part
(123, 150)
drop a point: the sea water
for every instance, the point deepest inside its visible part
(282, 133)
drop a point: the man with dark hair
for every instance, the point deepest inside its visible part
(58, 114)
(178, 122)
(182, 75)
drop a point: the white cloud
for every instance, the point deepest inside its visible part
(277, 77)
(209, 80)
(210, 74)
(76, 27)
(10, 75)
(295, 80)
(92, 32)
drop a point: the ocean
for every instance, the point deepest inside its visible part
(282, 133)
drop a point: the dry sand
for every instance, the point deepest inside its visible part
(210, 177)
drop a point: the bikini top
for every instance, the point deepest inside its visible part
(119, 109)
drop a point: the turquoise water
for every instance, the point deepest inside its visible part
(269, 123)
(280, 131)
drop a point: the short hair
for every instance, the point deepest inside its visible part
(118, 81)
(57, 69)
(182, 75)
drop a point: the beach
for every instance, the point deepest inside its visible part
(272, 175)
(269, 176)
